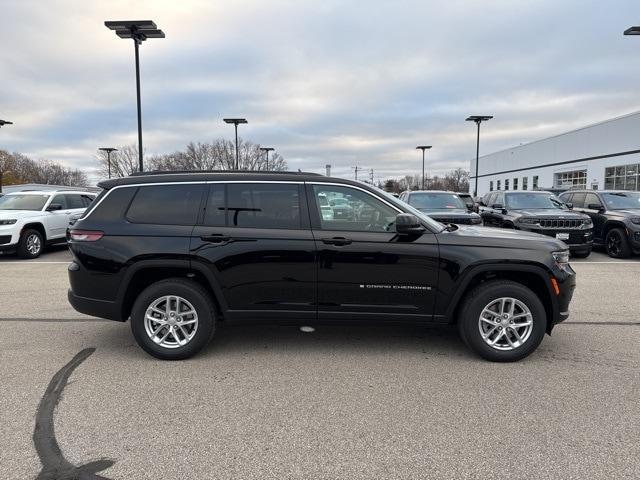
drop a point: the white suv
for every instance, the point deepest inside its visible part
(29, 220)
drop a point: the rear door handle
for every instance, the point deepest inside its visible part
(339, 241)
(215, 238)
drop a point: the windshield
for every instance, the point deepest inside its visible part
(435, 226)
(531, 201)
(622, 200)
(436, 201)
(23, 202)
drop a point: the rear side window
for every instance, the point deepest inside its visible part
(263, 205)
(166, 204)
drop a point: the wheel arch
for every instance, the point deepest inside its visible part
(35, 226)
(534, 277)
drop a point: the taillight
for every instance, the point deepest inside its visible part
(85, 235)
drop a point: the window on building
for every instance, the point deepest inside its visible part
(515, 183)
(491, 186)
(506, 184)
(498, 183)
(535, 182)
(524, 182)
(166, 204)
(624, 177)
(573, 179)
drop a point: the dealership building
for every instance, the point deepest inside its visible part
(605, 155)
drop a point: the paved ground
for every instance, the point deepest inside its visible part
(344, 402)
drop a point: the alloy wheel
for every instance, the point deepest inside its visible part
(171, 321)
(34, 244)
(505, 323)
(614, 244)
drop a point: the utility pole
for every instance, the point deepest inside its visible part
(371, 175)
(356, 169)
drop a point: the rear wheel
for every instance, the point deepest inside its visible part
(502, 321)
(173, 319)
(31, 244)
(617, 244)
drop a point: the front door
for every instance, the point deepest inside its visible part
(366, 271)
(255, 242)
(58, 220)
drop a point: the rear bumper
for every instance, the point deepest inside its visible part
(95, 308)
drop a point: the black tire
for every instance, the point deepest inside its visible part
(617, 243)
(481, 296)
(25, 247)
(193, 293)
(582, 254)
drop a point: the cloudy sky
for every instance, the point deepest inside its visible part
(340, 82)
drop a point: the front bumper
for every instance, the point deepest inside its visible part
(577, 240)
(566, 281)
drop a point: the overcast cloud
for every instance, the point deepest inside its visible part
(340, 82)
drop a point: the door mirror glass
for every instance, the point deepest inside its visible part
(408, 224)
(54, 206)
(594, 206)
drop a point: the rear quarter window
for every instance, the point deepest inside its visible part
(176, 204)
(110, 205)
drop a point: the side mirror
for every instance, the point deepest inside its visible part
(569, 205)
(497, 206)
(595, 206)
(408, 224)
(54, 206)
(332, 203)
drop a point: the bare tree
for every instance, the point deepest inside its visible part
(457, 180)
(18, 168)
(124, 162)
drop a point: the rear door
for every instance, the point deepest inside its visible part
(365, 270)
(255, 243)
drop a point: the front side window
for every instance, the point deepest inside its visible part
(74, 201)
(263, 205)
(60, 200)
(350, 209)
(23, 202)
(592, 199)
(175, 204)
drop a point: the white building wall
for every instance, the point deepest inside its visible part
(618, 140)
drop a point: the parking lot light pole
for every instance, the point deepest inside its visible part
(139, 31)
(266, 150)
(236, 122)
(108, 150)
(478, 119)
(423, 148)
(2, 124)
(632, 30)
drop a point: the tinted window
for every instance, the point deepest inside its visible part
(60, 200)
(111, 204)
(263, 205)
(87, 199)
(74, 201)
(215, 207)
(578, 200)
(591, 198)
(350, 209)
(166, 204)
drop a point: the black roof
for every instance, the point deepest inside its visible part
(599, 191)
(231, 175)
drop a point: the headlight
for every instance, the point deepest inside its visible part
(561, 258)
(635, 220)
(8, 222)
(587, 223)
(528, 220)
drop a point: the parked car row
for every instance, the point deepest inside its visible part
(32, 219)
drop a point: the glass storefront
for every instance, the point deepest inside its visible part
(573, 179)
(623, 177)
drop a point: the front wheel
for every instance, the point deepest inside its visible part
(502, 321)
(173, 319)
(31, 244)
(617, 244)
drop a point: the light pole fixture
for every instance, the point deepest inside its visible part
(632, 31)
(478, 119)
(139, 31)
(236, 122)
(2, 124)
(108, 150)
(423, 148)
(266, 150)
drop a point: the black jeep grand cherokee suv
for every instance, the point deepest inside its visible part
(539, 212)
(615, 215)
(178, 253)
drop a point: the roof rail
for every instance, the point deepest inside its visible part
(251, 172)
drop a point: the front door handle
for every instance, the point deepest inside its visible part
(339, 241)
(215, 238)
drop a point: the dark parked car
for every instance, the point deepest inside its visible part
(615, 216)
(179, 253)
(445, 207)
(539, 212)
(468, 200)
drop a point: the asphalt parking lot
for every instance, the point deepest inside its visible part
(343, 402)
